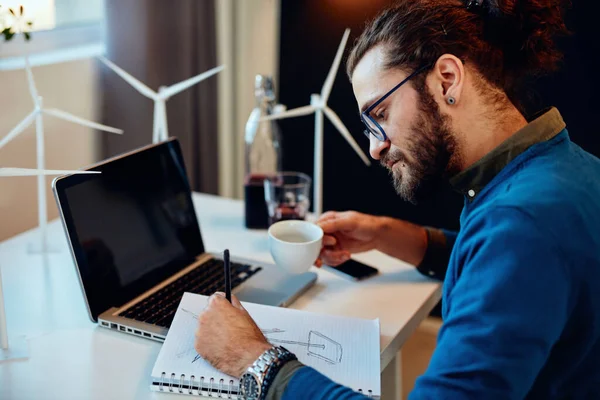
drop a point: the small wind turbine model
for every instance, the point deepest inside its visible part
(318, 105)
(37, 115)
(160, 131)
(19, 348)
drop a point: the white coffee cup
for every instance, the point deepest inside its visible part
(295, 245)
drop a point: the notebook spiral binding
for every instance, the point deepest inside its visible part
(211, 390)
(220, 390)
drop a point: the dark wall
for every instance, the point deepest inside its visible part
(310, 33)
(574, 89)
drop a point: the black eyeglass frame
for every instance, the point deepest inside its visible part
(367, 113)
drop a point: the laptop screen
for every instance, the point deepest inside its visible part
(131, 226)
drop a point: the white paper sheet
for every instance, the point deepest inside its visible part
(344, 349)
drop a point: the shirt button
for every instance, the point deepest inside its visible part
(431, 273)
(471, 193)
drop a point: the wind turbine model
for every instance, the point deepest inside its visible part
(318, 105)
(19, 348)
(37, 116)
(160, 131)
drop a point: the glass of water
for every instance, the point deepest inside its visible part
(287, 195)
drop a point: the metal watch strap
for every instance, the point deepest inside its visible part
(283, 356)
(268, 364)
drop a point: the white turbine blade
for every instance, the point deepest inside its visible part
(36, 172)
(31, 82)
(138, 85)
(181, 86)
(294, 112)
(328, 85)
(18, 129)
(335, 120)
(77, 120)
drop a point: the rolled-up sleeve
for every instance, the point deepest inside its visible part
(439, 247)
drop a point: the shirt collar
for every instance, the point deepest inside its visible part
(544, 126)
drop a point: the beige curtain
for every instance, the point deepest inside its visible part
(248, 44)
(160, 43)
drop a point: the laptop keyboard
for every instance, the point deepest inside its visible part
(159, 309)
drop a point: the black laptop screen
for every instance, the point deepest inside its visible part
(131, 226)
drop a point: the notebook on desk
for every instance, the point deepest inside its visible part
(344, 349)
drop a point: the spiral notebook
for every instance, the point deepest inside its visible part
(344, 349)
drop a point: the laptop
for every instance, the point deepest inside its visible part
(137, 245)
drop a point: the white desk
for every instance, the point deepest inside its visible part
(72, 358)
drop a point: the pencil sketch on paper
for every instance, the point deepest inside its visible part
(318, 345)
(188, 312)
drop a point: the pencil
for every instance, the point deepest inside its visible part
(227, 276)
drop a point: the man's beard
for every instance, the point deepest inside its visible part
(433, 149)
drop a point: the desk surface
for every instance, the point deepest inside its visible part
(71, 358)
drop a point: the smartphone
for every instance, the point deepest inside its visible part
(353, 270)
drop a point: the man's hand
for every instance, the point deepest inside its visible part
(227, 337)
(345, 233)
(352, 232)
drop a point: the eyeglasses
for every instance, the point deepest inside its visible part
(373, 128)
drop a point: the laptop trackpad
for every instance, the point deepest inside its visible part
(274, 288)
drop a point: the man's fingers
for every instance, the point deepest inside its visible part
(329, 240)
(327, 253)
(327, 215)
(220, 298)
(236, 303)
(339, 224)
(216, 299)
(216, 296)
(334, 257)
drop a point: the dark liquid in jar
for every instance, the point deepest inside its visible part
(285, 213)
(257, 215)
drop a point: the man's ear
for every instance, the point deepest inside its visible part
(447, 79)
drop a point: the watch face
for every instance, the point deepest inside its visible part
(249, 387)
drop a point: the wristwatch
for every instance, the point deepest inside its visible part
(255, 382)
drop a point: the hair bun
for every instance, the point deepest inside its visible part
(524, 30)
(506, 41)
(475, 6)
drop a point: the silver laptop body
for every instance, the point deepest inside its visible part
(137, 292)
